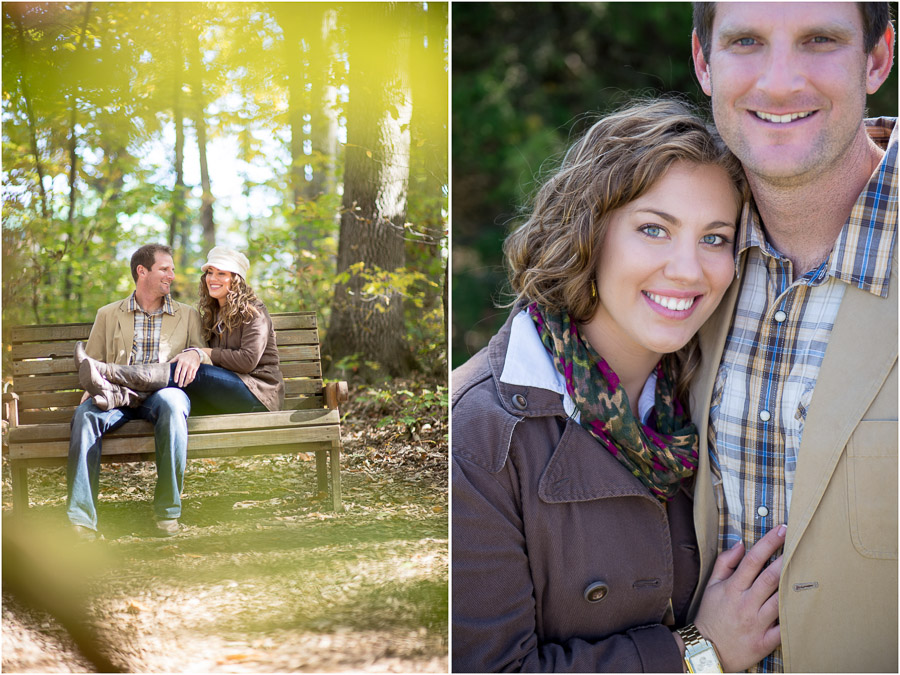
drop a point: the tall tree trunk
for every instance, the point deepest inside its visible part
(73, 168)
(429, 148)
(317, 58)
(374, 202)
(290, 19)
(179, 193)
(206, 204)
(29, 109)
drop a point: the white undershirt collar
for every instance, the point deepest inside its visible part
(528, 364)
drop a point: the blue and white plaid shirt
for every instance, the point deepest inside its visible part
(145, 348)
(775, 348)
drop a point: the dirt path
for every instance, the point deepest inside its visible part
(264, 578)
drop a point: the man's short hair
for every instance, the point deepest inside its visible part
(875, 19)
(146, 256)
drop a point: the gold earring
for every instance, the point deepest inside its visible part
(593, 289)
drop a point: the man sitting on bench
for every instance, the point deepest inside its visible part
(147, 327)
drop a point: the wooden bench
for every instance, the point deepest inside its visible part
(45, 393)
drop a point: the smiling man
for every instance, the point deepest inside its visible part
(146, 327)
(798, 397)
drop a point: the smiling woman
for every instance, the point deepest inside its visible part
(573, 544)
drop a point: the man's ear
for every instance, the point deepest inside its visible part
(880, 61)
(701, 67)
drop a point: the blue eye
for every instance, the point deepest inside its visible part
(714, 240)
(654, 231)
(745, 42)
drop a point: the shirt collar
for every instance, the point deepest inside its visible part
(528, 364)
(862, 252)
(168, 305)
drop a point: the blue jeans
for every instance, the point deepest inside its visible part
(219, 391)
(168, 410)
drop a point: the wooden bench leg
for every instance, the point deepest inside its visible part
(335, 453)
(322, 471)
(19, 478)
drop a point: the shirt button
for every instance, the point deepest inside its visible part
(596, 591)
(520, 401)
(780, 316)
(762, 511)
(765, 415)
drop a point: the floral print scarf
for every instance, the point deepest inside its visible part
(662, 458)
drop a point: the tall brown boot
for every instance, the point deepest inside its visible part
(100, 379)
(116, 396)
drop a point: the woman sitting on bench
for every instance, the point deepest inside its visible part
(245, 375)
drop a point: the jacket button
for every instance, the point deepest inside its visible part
(596, 591)
(520, 401)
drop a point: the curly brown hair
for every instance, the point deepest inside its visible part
(241, 306)
(553, 257)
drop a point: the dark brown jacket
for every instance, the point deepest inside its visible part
(562, 560)
(250, 351)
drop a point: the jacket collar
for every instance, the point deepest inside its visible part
(522, 399)
(533, 368)
(529, 386)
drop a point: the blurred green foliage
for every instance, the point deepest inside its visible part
(93, 95)
(527, 79)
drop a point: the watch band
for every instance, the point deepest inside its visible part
(691, 635)
(700, 654)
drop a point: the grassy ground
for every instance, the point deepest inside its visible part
(264, 578)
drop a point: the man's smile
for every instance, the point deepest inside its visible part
(782, 119)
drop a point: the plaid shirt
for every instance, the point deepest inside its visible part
(145, 348)
(775, 348)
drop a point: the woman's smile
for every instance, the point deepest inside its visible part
(218, 283)
(666, 261)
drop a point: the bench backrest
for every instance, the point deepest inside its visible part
(45, 379)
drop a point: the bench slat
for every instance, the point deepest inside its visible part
(297, 337)
(47, 383)
(317, 446)
(304, 402)
(294, 320)
(65, 331)
(56, 400)
(41, 350)
(30, 401)
(292, 387)
(301, 369)
(298, 353)
(245, 439)
(67, 366)
(66, 350)
(196, 425)
(43, 367)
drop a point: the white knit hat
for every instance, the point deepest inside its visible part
(228, 260)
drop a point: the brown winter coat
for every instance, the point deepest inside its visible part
(250, 351)
(541, 514)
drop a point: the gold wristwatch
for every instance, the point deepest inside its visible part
(700, 654)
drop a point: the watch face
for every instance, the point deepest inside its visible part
(705, 661)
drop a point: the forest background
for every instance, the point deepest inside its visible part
(311, 135)
(519, 101)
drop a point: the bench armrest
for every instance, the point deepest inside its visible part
(11, 409)
(335, 394)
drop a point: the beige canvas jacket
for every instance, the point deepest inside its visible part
(112, 334)
(838, 591)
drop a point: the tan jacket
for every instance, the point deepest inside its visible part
(112, 334)
(838, 591)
